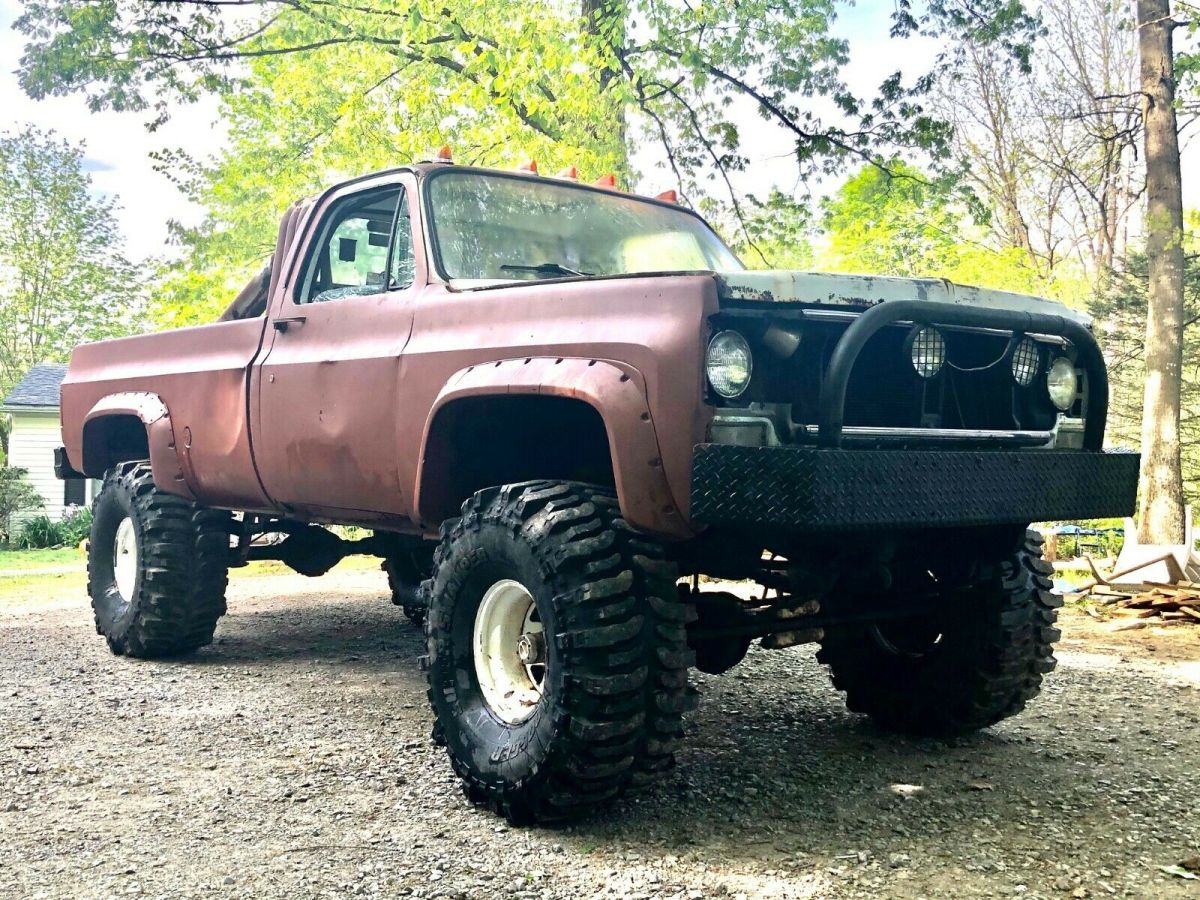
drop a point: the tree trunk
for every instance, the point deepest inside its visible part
(1161, 510)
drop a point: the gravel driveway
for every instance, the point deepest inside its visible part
(292, 759)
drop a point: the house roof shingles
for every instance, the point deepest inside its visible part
(39, 388)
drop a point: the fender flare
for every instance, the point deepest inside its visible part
(616, 391)
(166, 463)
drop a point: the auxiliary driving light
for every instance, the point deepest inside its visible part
(1062, 383)
(729, 364)
(1025, 362)
(927, 348)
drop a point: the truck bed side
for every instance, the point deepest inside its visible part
(200, 374)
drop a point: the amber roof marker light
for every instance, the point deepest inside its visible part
(444, 155)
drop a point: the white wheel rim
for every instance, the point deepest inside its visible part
(125, 558)
(509, 650)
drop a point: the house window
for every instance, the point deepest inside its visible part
(74, 492)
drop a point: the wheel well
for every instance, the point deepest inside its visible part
(113, 439)
(479, 442)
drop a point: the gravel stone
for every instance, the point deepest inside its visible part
(292, 758)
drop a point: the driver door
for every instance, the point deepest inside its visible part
(327, 388)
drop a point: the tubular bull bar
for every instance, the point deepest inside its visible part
(831, 488)
(924, 312)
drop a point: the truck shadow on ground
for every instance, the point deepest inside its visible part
(757, 783)
(362, 633)
(773, 767)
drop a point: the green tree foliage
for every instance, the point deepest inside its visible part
(62, 276)
(300, 121)
(778, 232)
(43, 533)
(1187, 54)
(899, 221)
(1121, 310)
(16, 495)
(318, 89)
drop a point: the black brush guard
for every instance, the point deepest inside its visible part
(830, 488)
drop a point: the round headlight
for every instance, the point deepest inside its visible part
(729, 364)
(1025, 362)
(1062, 383)
(928, 351)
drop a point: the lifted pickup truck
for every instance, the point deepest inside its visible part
(556, 406)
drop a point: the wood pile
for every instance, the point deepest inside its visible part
(1142, 605)
(1152, 604)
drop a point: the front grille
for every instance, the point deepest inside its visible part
(974, 388)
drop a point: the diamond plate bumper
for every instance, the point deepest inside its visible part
(810, 489)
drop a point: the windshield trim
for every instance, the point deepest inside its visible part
(435, 244)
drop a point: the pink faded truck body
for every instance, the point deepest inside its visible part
(389, 409)
(336, 418)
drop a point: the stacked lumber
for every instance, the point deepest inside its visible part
(1141, 605)
(1149, 604)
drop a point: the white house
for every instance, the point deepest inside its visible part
(33, 406)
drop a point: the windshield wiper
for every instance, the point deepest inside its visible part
(546, 268)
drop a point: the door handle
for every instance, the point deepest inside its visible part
(282, 324)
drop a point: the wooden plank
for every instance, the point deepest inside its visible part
(1173, 590)
(1142, 602)
(1108, 597)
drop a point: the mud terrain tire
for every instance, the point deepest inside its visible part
(997, 641)
(178, 574)
(614, 688)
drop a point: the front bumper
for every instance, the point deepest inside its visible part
(810, 489)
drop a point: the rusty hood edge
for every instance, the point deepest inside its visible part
(861, 291)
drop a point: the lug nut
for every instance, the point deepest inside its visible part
(531, 648)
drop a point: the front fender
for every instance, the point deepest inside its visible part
(165, 460)
(617, 392)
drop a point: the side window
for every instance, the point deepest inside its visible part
(350, 255)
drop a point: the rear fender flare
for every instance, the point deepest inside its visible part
(616, 391)
(165, 460)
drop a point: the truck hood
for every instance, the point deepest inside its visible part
(863, 291)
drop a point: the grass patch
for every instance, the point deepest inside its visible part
(28, 576)
(259, 568)
(41, 587)
(13, 562)
(23, 560)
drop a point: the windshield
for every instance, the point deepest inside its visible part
(493, 227)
